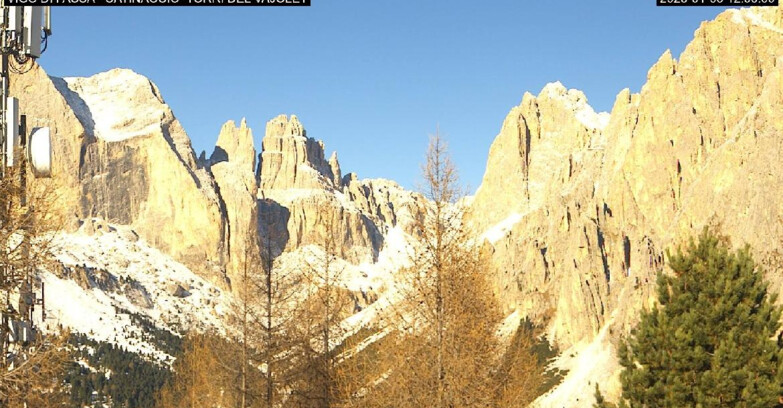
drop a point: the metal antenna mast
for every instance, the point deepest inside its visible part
(22, 32)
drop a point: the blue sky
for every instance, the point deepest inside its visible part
(374, 78)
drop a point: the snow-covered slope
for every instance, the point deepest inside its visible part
(111, 286)
(114, 287)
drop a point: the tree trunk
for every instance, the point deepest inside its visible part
(269, 348)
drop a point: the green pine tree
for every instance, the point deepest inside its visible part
(712, 342)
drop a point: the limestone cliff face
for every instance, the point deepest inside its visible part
(290, 159)
(43, 104)
(127, 159)
(299, 187)
(534, 152)
(537, 209)
(122, 156)
(334, 166)
(233, 166)
(578, 208)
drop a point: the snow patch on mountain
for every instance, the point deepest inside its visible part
(499, 230)
(754, 16)
(373, 284)
(576, 101)
(115, 105)
(110, 284)
(587, 363)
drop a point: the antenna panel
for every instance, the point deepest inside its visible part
(15, 20)
(31, 34)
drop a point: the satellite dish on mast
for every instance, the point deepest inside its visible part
(39, 152)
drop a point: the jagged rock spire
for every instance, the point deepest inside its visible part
(292, 160)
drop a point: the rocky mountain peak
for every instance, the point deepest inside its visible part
(555, 90)
(665, 67)
(537, 151)
(577, 209)
(235, 144)
(120, 154)
(283, 126)
(764, 17)
(115, 105)
(578, 217)
(290, 159)
(575, 101)
(334, 164)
